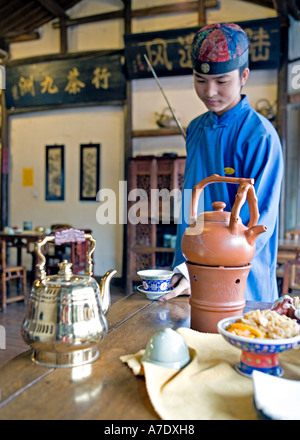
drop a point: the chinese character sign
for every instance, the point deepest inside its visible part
(169, 53)
(69, 81)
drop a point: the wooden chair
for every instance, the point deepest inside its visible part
(78, 256)
(9, 273)
(292, 234)
(291, 278)
(73, 252)
(284, 255)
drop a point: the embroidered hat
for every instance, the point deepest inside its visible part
(219, 48)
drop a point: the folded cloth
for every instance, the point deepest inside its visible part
(209, 387)
(275, 397)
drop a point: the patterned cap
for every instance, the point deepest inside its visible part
(219, 48)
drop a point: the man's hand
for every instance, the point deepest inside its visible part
(181, 287)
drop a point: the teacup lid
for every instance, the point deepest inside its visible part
(167, 348)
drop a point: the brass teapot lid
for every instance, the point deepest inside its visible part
(65, 270)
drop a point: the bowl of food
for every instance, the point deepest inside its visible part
(155, 282)
(261, 335)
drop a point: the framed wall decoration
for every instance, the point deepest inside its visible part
(55, 172)
(89, 171)
(65, 82)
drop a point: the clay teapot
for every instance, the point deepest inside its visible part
(65, 320)
(219, 238)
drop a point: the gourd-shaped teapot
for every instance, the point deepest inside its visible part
(219, 238)
(65, 320)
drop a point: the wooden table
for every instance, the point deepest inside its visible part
(23, 240)
(105, 389)
(287, 250)
(26, 240)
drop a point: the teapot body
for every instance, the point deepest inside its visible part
(212, 244)
(219, 238)
(64, 320)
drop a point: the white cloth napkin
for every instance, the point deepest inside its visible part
(275, 397)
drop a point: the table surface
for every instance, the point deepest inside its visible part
(284, 243)
(105, 389)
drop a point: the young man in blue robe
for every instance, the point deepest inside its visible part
(231, 138)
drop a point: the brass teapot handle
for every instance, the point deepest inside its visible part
(245, 190)
(70, 235)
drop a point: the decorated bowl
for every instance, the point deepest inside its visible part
(155, 280)
(257, 353)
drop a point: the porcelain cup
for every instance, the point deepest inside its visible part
(155, 280)
(167, 348)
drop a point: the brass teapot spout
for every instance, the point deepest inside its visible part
(105, 290)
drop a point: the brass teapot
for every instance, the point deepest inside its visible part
(65, 320)
(219, 238)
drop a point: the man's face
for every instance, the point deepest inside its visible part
(220, 92)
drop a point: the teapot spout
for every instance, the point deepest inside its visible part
(253, 232)
(105, 290)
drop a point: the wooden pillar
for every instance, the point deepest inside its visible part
(63, 36)
(282, 99)
(4, 164)
(201, 12)
(127, 138)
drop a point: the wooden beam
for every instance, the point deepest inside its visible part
(264, 3)
(63, 36)
(91, 18)
(54, 8)
(192, 6)
(18, 38)
(201, 12)
(63, 56)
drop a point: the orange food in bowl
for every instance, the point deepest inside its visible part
(241, 329)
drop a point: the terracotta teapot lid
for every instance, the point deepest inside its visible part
(218, 215)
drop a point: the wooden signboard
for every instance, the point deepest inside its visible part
(87, 80)
(169, 51)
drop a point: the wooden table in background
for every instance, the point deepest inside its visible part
(23, 240)
(287, 250)
(105, 389)
(26, 240)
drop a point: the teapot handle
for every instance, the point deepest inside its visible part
(246, 189)
(70, 235)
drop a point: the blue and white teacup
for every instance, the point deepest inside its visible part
(155, 280)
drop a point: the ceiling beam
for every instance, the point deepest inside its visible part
(191, 6)
(54, 8)
(12, 37)
(264, 3)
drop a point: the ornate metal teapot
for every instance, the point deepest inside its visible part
(219, 238)
(65, 320)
